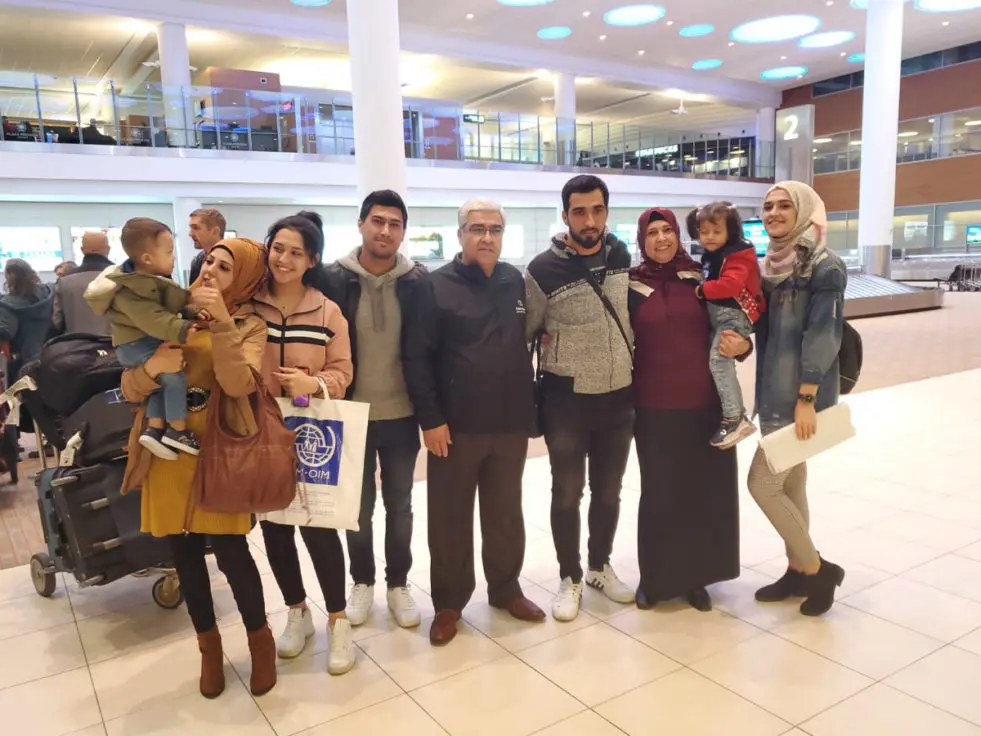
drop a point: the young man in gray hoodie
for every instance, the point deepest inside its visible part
(373, 286)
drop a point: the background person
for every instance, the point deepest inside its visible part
(25, 315)
(227, 354)
(688, 519)
(206, 228)
(70, 311)
(373, 285)
(308, 353)
(797, 376)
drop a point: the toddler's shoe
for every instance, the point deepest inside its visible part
(732, 431)
(182, 441)
(153, 440)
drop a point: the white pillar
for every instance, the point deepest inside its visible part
(376, 90)
(183, 245)
(880, 127)
(175, 75)
(564, 89)
(766, 137)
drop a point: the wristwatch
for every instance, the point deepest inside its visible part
(806, 398)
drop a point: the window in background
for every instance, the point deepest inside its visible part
(430, 243)
(974, 235)
(339, 240)
(39, 246)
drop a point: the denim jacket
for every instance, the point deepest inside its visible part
(797, 341)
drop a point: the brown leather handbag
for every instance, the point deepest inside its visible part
(246, 475)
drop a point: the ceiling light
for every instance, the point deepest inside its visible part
(843, 53)
(523, 3)
(822, 140)
(946, 6)
(856, 58)
(706, 64)
(930, 120)
(670, 22)
(775, 28)
(310, 3)
(548, 99)
(700, 29)
(864, 4)
(830, 3)
(945, 23)
(784, 72)
(641, 52)
(469, 16)
(554, 33)
(972, 123)
(732, 43)
(603, 37)
(634, 15)
(737, 150)
(783, 58)
(824, 40)
(908, 134)
(586, 14)
(855, 143)
(543, 73)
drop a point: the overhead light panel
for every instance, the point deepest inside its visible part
(775, 28)
(822, 140)
(972, 123)
(699, 29)
(946, 6)
(824, 40)
(704, 64)
(310, 3)
(855, 143)
(634, 15)
(523, 3)
(908, 134)
(856, 58)
(783, 72)
(554, 33)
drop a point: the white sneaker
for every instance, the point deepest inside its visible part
(613, 587)
(359, 603)
(565, 605)
(299, 628)
(341, 656)
(402, 606)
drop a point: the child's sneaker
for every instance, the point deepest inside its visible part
(152, 440)
(183, 441)
(732, 431)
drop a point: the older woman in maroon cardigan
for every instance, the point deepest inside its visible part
(688, 523)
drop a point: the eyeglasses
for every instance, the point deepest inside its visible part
(480, 231)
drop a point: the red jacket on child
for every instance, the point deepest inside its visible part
(732, 278)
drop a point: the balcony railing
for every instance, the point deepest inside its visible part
(65, 110)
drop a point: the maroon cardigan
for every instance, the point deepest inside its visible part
(671, 336)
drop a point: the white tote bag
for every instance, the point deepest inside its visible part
(330, 447)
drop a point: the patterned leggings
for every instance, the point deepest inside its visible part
(783, 498)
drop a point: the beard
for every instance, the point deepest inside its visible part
(585, 241)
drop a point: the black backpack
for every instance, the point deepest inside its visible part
(73, 368)
(849, 358)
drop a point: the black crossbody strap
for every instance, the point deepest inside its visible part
(608, 305)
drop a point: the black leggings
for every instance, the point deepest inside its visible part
(326, 553)
(235, 560)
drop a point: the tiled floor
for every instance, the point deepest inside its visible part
(900, 655)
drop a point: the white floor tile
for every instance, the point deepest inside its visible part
(53, 706)
(882, 710)
(30, 613)
(400, 716)
(503, 697)
(781, 677)
(16, 582)
(586, 723)
(946, 679)
(41, 654)
(687, 703)
(953, 574)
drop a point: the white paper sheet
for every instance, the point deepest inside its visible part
(783, 450)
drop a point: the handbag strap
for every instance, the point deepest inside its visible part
(608, 305)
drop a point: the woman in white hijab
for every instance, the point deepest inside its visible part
(797, 347)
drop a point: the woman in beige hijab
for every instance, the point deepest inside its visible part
(797, 343)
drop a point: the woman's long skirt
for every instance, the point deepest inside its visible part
(688, 522)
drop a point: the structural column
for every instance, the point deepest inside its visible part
(183, 245)
(880, 128)
(564, 86)
(175, 74)
(376, 90)
(766, 136)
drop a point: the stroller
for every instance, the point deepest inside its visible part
(91, 529)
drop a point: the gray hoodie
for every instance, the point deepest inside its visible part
(378, 321)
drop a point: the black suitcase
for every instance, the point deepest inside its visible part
(94, 529)
(104, 422)
(73, 368)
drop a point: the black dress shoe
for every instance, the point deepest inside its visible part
(699, 600)
(793, 584)
(643, 602)
(821, 589)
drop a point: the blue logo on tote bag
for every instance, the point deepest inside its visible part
(318, 448)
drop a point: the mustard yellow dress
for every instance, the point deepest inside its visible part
(167, 504)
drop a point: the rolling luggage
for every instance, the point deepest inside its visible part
(104, 421)
(72, 369)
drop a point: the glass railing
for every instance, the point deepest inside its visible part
(65, 110)
(922, 139)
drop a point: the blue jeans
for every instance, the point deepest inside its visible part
(724, 369)
(169, 402)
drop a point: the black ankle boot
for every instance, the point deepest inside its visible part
(793, 584)
(699, 600)
(821, 589)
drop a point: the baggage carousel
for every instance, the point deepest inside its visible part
(873, 296)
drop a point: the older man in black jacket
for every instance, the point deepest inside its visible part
(469, 374)
(69, 311)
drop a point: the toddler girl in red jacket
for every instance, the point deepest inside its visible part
(734, 294)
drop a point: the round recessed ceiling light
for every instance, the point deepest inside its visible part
(946, 6)
(523, 3)
(776, 28)
(553, 33)
(586, 14)
(824, 40)
(784, 72)
(706, 64)
(856, 58)
(310, 3)
(603, 37)
(634, 15)
(469, 16)
(700, 29)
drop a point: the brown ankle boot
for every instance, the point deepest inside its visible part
(212, 664)
(263, 650)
